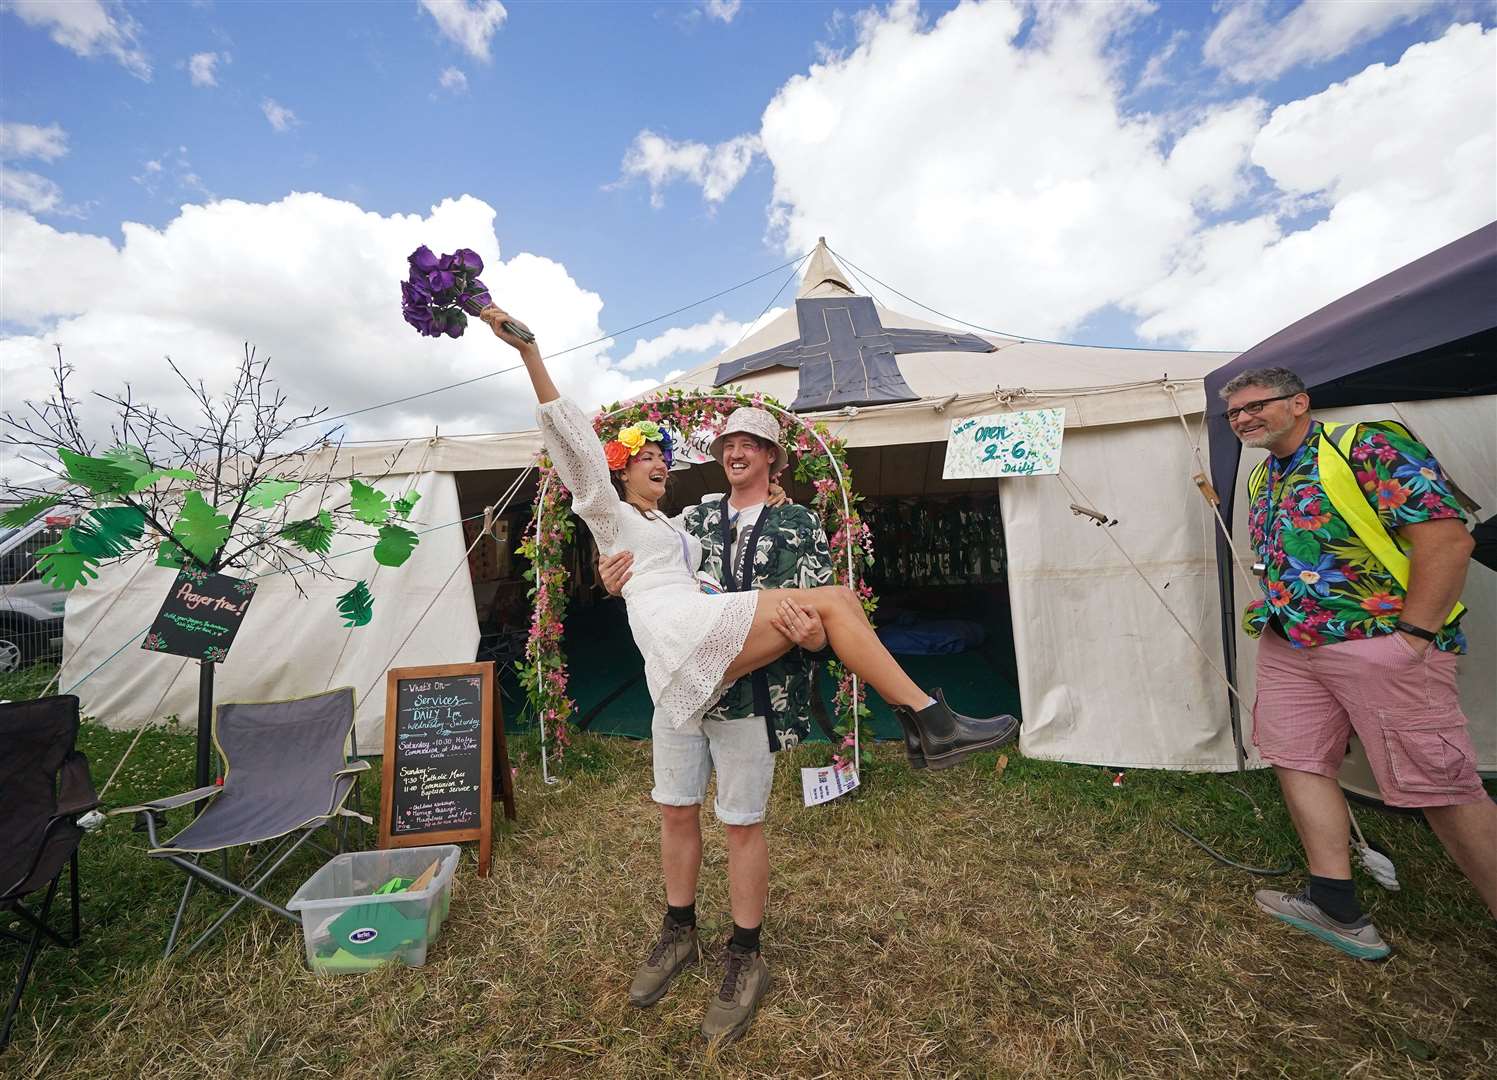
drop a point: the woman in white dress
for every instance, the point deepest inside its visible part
(696, 643)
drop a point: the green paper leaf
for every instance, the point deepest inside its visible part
(267, 493)
(396, 543)
(150, 479)
(406, 503)
(311, 534)
(170, 556)
(201, 530)
(108, 531)
(356, 605)
(130, 458)
(62, 566)
(1301, 545)
(99, 475)
(369, 506)
(17, 516)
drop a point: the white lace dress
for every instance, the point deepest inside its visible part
(687, 637)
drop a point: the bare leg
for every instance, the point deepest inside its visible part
(680, 852)
(1469, 833)
(748, 873)
(847, 629)
(1319, 811)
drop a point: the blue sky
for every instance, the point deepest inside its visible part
(1015, 165)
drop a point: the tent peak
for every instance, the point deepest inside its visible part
(823, 276)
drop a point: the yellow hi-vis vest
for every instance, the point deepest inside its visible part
(1347, 498)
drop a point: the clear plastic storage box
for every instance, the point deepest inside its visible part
(349, 925)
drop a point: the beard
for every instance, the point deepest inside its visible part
(1267, 435)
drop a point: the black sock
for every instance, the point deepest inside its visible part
(682, 916)
(746, 939)
(1337, 897)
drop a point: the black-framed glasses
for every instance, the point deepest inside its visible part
(1253, 408)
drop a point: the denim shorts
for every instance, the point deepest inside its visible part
(739, 751)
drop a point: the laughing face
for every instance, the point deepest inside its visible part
(746, 460)
(1265, 420)
(645, 475)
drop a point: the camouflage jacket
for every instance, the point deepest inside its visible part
(792, 553)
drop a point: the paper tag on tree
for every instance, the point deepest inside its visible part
(824, 785)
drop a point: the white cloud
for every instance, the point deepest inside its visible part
(88, 28)
(1249, 45)
(280, 117)
(1154, 68)
(453, 80)
(202, 68)
(470, 24)
(228, 272)
(1403, 157)
(992, 168)
(31, 191)
(722, 10)
(21, 141)
(715, 169)
(716, 334)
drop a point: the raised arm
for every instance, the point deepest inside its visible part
(540, 378)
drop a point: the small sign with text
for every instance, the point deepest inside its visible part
(825, 784)
(1005, 444)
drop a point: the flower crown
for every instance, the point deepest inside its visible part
(632, 440)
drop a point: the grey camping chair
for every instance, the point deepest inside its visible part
(288, 770)
(44, 786)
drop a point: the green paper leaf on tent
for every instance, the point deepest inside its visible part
(17, 516)
(1302, 546)
(406, 503)
(170, 556)
(62, 566)
(356, 605)
(108, 531)
(396, 543)
(267, 493)
(201, 530)
(155, 476)
(130, 458)
(369, 506)
(100, 476)
(311, 534)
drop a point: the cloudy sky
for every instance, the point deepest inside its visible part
(179, 179)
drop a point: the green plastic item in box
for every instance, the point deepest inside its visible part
(375, 931)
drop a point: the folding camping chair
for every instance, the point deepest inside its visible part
(44, 786)
(285, 776)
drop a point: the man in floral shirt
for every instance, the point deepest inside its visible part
(1362, 552)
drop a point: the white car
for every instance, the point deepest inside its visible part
(30, 610)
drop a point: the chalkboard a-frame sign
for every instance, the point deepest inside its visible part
(440, 744)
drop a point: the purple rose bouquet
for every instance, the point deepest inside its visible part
(441, 292)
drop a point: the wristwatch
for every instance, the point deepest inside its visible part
(1415, 631)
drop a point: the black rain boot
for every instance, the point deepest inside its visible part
(948, 738)
(914, 753)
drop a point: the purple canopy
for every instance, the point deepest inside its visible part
(1427, 330)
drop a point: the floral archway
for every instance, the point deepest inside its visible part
(820, 462)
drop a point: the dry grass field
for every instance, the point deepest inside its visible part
(1034, 921)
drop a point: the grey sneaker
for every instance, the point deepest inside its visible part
(676, 948)
(1360, 938)
(732, 1008)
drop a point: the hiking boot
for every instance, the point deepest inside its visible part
(1359, 939)
(677, 947)
(914, 753)
(732, 1008)
(947, 738)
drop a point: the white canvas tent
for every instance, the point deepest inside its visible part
(1116, 628)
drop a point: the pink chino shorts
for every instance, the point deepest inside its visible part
(1403, 705)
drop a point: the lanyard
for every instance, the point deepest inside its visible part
(740, 579)
(1273, 466)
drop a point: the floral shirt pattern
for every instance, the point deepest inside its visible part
(792, 554)
(1321, 581)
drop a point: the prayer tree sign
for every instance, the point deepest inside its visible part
(440, 744)
(201, 615)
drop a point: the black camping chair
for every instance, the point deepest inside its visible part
(289, 768)
(44, 787)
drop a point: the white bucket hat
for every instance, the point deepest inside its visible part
(758, 422)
